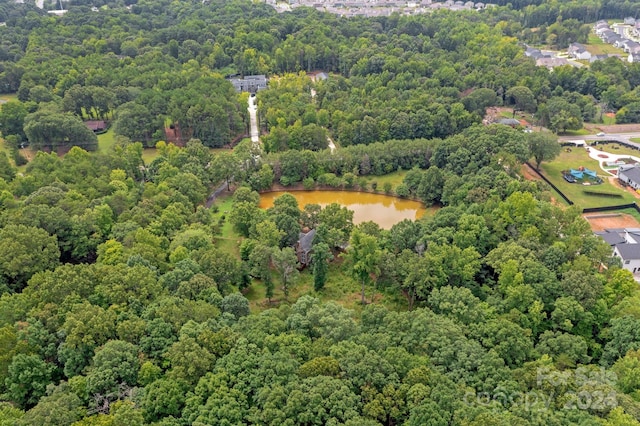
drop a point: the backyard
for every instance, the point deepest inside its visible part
(598, 47)
(602, 195)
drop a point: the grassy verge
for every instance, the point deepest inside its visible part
(598, 47)
(631, 212)
(637, 140)
(106, 141)
(575, 192)
(8, 96)
(618, 149)
(580, 132)
(394, 179)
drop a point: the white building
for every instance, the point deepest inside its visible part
(629, 174)
(626, 246)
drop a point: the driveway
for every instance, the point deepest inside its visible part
(253, 119)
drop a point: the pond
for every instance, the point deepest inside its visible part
(381, 209)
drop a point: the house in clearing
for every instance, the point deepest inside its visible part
(304, 247)
(250, 83)
(96, 125)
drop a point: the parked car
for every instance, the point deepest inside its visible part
(600, 134)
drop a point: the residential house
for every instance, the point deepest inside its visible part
(633, 57)
(626, 246)
(96, 125)
(619, 28)
(601, 27)
(579, 51)
(629, 21)
(250, 83)
(598, 58)
(551, 63)
(304, 247)
(535, 53)
(630, 45)
(630, 256)
(629, 174)
(512, 122)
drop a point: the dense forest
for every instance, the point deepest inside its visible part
(163, 64)
(121, 304)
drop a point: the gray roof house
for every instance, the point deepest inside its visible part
(304, 246)
(578, 51)
(612, 236)
(250, 83)
(626, 246)
(629, 174)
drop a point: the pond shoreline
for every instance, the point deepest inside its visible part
(383, 209)
(276, 187)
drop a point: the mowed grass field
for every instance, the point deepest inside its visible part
(619, 149)
(573, 160)
(597, 47)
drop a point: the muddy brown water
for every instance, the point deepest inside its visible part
(384, 210)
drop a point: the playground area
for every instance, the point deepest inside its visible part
(582, 175)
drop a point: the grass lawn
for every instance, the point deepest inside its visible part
(616, 148)
(148, 155)
(106, 141)
(8, 96)
(631, 212)
(228, 240)
(394, 179)
(575, 192)
(598, 47)
(580, 132)
(637, 140)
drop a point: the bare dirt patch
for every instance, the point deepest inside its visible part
(528, 173)
(615, 182)
(603, 221)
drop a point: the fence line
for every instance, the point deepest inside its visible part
(544, 178)
(589, 209)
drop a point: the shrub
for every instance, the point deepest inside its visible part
(308, 183)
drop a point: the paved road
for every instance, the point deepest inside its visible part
(253, 118)
(624, 138)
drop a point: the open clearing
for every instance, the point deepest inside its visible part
(603, 221)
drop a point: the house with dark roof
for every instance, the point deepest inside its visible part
(626, 246)
(613, 237)
(304, 247)
(578, 51)
(96, 125)
(629, 175)
(250, 83)
(598, 57)
(630, 256)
